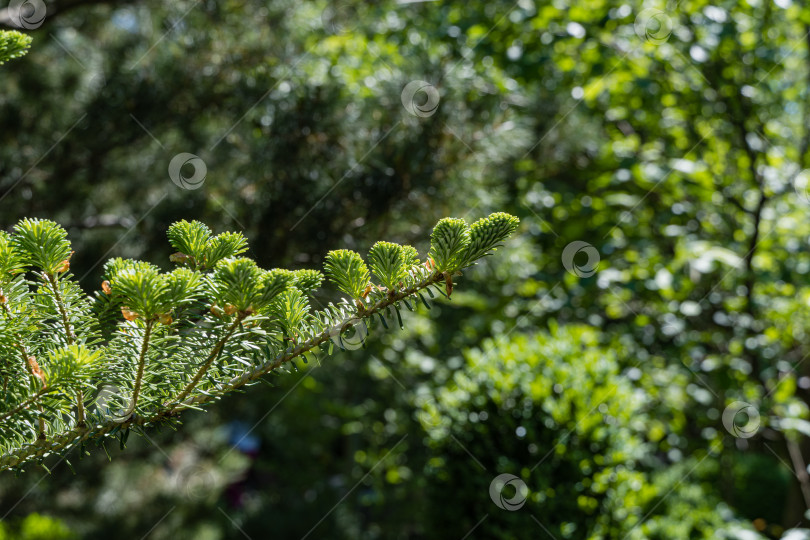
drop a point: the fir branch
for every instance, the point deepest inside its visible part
(180, 311)
(136, 391)
(71, 338)
(314, 342)
(83, 433)
(30, 402)
(17, 340)
(215, 353)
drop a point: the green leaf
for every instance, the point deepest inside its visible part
(71, 362)
(13, 44)
(182, 287)
(410, 256)
(10, 261)
(190, 238)
(143, 290)
(115, 266)
(346, 269)
(274, 283)
(487, 233)
(388, 262)
(448, 243)
(222, 246)
(289, 309)
(42, 244)
(307, 280)
(237, 283)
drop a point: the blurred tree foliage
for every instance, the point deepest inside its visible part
(37, 527)
(672, 139)
(555, 410)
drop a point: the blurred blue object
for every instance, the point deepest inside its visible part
(240, 437)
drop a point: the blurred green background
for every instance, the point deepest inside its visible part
(635, 357)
